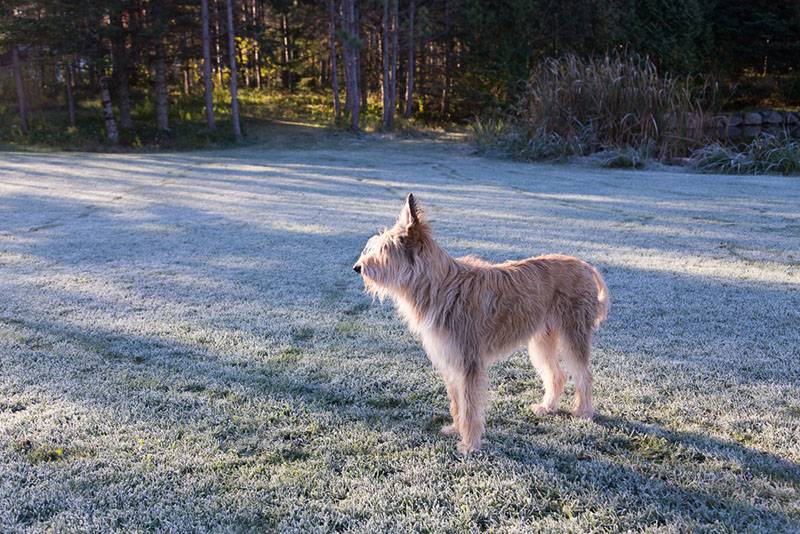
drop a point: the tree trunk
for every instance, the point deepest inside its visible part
(361, 66)
(94, 78)
(245, 54)
(124, 95)
(421, 77)
(448, 60)
(351, 63)
(385, 80)
(393, 59)
(77, 75)
(162, 110)
(337, 107)
(389, 45)
(237, 129)
(218, 36)
(41, 86)
(112, 134)
(120, 59)
(348, 95)
(69, 82)
(208, 81)
(401, 75)
(22, 103)
(256, 46)
(286, 72)
(410, 67)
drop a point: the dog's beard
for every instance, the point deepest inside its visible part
(387, 276)
(376, 290)
(385, 281)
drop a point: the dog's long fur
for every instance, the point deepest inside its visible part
(470, 313)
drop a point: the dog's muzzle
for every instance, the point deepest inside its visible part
(357, 268)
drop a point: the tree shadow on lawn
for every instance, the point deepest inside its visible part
(636, 479)
(742, 331)
(699, 447)
(616, 217)
(643, 322)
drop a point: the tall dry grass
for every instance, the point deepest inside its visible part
(763, 155)
(616, 101)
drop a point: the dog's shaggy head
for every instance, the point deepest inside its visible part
(390, 258)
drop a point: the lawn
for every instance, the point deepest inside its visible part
(184, 346)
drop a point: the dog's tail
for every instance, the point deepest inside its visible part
(603, 298)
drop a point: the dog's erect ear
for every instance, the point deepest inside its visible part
(409, 216)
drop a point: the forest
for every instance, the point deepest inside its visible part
(150, 71)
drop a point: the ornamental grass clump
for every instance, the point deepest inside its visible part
(616, 101)
(765, 154)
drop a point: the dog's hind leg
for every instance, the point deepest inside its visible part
(542, 352)
(452, 393)
(577, 344)
(473, 385)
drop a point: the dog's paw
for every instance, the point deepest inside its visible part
(542, 409)
(449, 430)
(468, 448)
(583, 413)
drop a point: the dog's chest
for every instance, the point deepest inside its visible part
(439, 346)
(441, 350)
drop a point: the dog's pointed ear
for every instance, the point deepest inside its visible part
(409, 215)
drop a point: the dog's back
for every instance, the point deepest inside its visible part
(574, 284)
(520, 298)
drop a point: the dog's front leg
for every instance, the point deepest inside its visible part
(452, 393)
(472, 389)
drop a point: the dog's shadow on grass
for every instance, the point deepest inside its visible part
(635, 460)
(660, 443)
(656, 443)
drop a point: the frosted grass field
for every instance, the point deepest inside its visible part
(184, 347)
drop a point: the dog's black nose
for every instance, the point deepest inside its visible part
(357, 268)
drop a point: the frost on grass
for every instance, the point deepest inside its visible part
(183, 346)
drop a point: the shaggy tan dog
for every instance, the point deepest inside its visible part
(470, 313)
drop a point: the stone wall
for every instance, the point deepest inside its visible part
(752, 123)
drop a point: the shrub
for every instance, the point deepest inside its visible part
(551, 145)
(490, 134)
(626, 158)
(503, 137)
(619, 101)
(764, 154)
